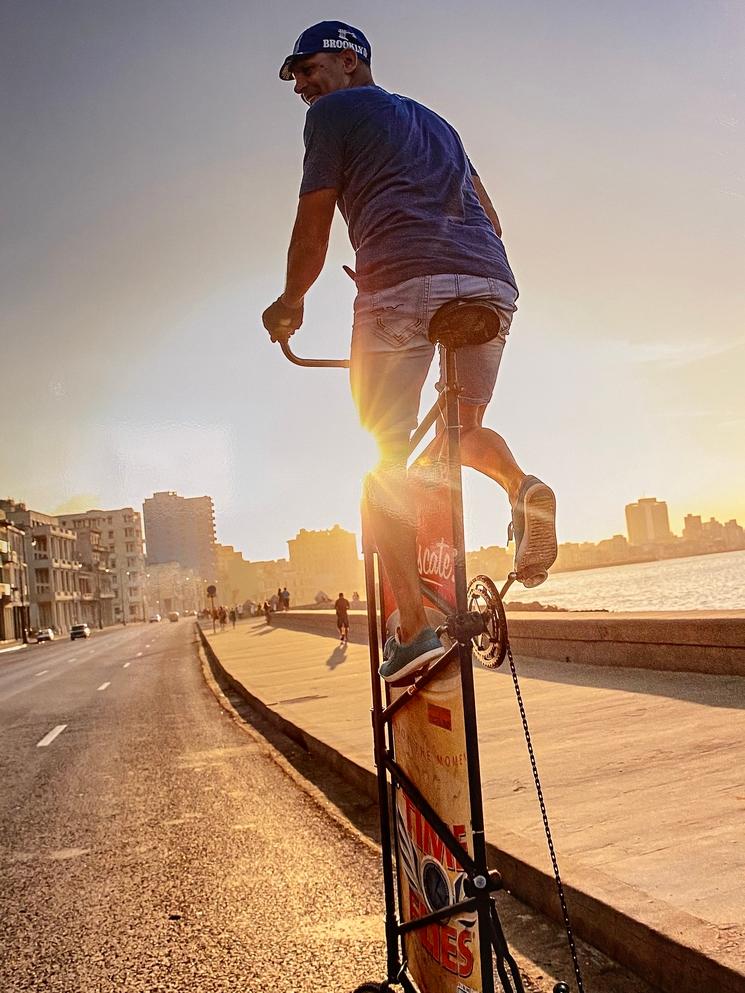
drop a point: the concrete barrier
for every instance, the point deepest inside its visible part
(705, 642)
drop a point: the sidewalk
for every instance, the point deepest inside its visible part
(11, 646)
(642, 775)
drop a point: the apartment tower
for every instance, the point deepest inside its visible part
(181, 529)
(647, 522)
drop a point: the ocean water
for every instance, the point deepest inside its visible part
(702, 582)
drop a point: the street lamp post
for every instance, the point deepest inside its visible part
(121, 587)
(100, 608)
(212, 593)
(24, 619)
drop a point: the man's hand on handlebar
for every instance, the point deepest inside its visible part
(281, 320)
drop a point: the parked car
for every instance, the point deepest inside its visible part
(79, 631)
(155, 618)
(45, 634)
(173, 615)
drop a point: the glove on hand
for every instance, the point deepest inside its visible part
(281, 321)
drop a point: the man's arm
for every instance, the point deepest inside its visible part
(309, 243)
(486, 204)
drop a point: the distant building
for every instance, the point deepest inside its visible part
(236, 577)
(576, 555)
(692, 528)
(121, 536)
(14, 582)
(324, 560)
(181, 529)
(171, 586)
(494, 562)
(612, 551)
(50, 550)
(95, 579)
(734, 535)
(711, 536)
(647, 522)
(714, 533)
(265, 578)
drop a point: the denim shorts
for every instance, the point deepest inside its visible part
(391, 353)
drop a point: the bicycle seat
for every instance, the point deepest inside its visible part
(464, 322)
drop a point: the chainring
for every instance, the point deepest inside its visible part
(490, 647)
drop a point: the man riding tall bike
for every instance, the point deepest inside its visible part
(425, 232)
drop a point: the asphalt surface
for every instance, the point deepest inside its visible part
(153, 845)
(157, 844)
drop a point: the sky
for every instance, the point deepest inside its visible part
(149, 169)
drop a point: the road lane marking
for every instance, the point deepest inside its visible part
(103, 686)
(72, 660)
(49, 738)
(139, 655)
(43, 672)
(126, 665)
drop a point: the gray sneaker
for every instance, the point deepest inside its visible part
(400, 661)
(534, 529)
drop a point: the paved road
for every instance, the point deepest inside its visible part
(153, 845)
(156, 845)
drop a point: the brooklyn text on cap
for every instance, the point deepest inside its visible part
(326, 36)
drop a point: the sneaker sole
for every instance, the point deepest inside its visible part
(419, 662)
(538, 548)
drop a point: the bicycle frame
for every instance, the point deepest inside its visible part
(475, 899)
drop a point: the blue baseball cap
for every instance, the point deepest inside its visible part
(327, 36)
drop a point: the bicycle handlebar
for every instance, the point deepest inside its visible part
(284, 344)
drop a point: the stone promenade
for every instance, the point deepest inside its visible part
(642, 773)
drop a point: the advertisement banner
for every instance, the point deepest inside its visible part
(430, 746)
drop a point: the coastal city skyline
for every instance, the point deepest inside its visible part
(140, 255)
(677, 523)
(205, 514)
(107, 566)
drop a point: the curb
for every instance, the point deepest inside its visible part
(13, 648)
(661, 945)
(209, 663)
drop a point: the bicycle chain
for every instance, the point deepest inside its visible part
(544, 814)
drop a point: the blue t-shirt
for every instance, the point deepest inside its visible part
(404, 188)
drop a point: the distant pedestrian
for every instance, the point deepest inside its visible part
(274, 600)
(285, 599)
(233, 616)
(267, 611)
(342, 618)
(223, 617)
(355, 597)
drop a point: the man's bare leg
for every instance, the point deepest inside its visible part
(391, 519)
(396, 542)
(533, 503)
(481, 449)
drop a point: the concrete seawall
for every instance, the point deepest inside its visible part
(704, 642)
